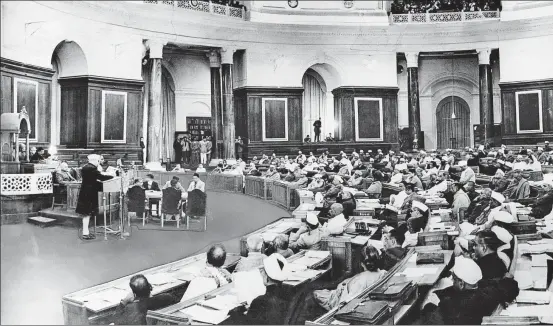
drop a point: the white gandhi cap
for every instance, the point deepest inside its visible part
(467, 270)
(502, 234)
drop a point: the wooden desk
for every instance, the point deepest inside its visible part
(284, 225)
(88, 307)
(428, 279)
(173, 315)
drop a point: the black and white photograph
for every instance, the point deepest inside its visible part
(248, 162)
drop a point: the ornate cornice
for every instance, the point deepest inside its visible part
(24, 69)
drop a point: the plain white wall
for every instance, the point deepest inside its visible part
(526, 59)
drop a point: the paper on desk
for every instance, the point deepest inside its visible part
(306, 261)
(515, 310)
(205, 315)
(540, 260)
(414, 272)
(100, 300)
(536, 297)
(441, 227)
(413, 258)
(303, 275)
(337, 322)
(160, 278)
(524, 279)
(222, 302)
(248, 285)
(292, 267)
(375, 243)
(539, 276)
(360, 240)
(317, 254)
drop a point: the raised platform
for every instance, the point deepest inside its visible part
(42, 221)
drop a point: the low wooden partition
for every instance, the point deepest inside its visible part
(161, 177)
(225, 182)
(256, 187)
(97, 305)
(284, 195)
(285, 225)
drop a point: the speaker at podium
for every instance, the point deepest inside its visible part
(111, 185)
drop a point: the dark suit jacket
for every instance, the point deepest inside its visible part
(137, 197)
(88, 195)
(134, 313)
(154, 186)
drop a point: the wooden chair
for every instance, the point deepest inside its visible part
(137, 203)
(170, 204)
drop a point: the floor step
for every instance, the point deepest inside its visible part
(42, 221)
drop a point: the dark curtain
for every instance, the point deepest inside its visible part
(114, 116)
(529, 111)
(368, 113)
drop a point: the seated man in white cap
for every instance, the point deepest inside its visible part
(270, 308)
(478, 205)
(467, 174)
(504, 252)
(87, 203)
(317, 182)
(255, 257)
(495, 203)
(300, 182)
(309, 235)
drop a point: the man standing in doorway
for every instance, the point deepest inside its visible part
(317, 130)
(186, 149)
(203, 151)
(209, 147)
(142, 147)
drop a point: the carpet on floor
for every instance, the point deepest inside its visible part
(40, 265)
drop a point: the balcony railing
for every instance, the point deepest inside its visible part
(443, 17)
(204, 6)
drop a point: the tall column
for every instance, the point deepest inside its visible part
(228, 105)
(153, 147)
(216, 113)
(413, 101)
(486, 94)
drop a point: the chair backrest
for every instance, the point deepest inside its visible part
(170, 201)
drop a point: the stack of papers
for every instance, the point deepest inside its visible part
(303, 275)
(524, 279)
(205, 315)
(535, 297)
(540, 260)
(269, 236)
(317, 254)
(222, 302)
(528, 310)
(160, 278)
(307, 261)
(416, 272)
(292, 267)
(104, 298)
(442, 227)
(360, 240)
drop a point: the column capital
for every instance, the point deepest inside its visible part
(214, 60)
(226, 55)
(156, 48)
(484, 56)
(412, 59)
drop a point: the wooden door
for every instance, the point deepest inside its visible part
(453, 129)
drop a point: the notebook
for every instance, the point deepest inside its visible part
(205, 315)
(535, 297)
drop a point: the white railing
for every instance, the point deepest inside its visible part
(26, 184)
(204, 6)
(444, 17)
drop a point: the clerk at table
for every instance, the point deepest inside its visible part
(196, 183)
(150, 184)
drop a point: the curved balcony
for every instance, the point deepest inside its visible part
(444, 17)
(205, 6)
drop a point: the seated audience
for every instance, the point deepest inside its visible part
(412, 234)
(337, 221)
(521, 187)
(255, 257)
(200, 169)
(460, 199)
(150, 184)
(38, 156)
(348, 289)
(543, 205)
(133, 308)
(136, 198)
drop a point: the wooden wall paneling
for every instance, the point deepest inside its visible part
(241, 114)
(547, 107)
(508, 102)
(348, 118)
(254, 118)
(7, 93)
(44, 116)
(134, 118)
(389, 108)
(295, 119)
(94, 116)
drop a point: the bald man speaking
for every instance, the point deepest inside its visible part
(87, 204)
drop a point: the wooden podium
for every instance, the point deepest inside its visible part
(109, 186)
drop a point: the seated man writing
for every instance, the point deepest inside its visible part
(392, 241)
(308, 236)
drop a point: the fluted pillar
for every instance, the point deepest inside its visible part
(486, 94)
(228, 105)
(153, 147)
(413, 98)
(216, 113)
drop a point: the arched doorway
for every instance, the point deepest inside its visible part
(453, 123)
(314, 101)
